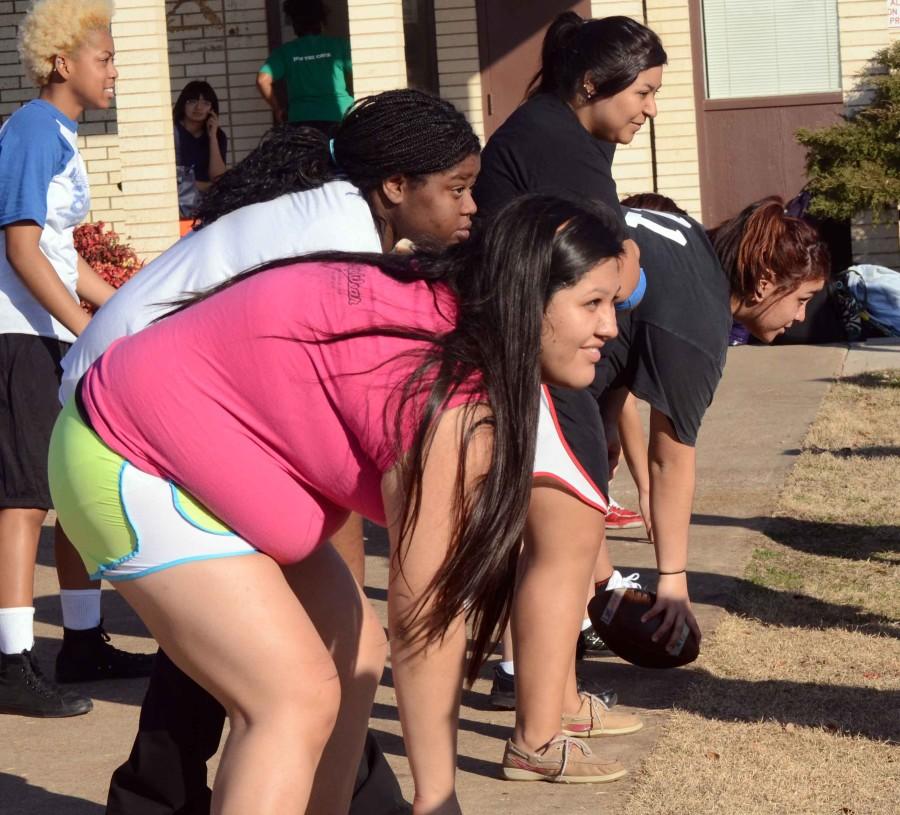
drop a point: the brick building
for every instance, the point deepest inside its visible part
(480, 54)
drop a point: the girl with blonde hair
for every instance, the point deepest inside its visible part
(67, 50)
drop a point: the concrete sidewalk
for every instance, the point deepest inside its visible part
(749, 440)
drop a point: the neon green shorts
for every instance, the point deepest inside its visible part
(124, 522)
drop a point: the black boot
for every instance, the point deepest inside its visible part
(25, 691)
(87, 655)
(590, 642)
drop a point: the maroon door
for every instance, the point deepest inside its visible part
(747, 148)
(510, 34)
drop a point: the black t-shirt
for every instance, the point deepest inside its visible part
(543, 148)
(193, 151)
(671, 349)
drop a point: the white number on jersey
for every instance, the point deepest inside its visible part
(634, 218)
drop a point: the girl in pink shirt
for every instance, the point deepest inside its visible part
(248, 424)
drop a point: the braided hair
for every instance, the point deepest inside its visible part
(403, 132)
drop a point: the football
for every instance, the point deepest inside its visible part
(616, 616)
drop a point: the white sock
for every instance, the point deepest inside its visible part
(80, 608)
(508, 666)
(16, 629)
(585, 623)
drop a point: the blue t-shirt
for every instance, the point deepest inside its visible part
(43, 180)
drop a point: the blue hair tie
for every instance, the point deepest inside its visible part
(636, 296)
(331, 150)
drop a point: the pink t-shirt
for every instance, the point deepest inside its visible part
(275, 435)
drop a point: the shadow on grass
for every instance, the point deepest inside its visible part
(856, 711)
(783, 607)
(852, 710)
(873, 451)
(889, 380)
(850, 541)
(19, 797)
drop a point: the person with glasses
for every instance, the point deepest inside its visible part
(200, 143)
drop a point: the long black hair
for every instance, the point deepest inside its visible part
(610, 52)
(503, 279)
(194, 90)
(402, 132)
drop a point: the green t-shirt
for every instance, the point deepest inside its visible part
(314, 67)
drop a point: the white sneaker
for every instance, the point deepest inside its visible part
(617, 581)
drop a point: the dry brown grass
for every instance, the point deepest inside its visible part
(796, 706)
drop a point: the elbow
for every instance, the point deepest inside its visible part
(16, 255)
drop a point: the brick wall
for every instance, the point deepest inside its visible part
(223, 42)
(376, 42)
(146, 152)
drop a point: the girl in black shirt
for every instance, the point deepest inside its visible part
(596, 89)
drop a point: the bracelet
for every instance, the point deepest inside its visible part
(680, 571)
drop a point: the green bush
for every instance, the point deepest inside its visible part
(855, 165)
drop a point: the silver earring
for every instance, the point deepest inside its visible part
(588, 93)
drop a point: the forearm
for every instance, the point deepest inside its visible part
(216, 159)
(634, 445)
(91, 286)
(266, 87)
(672, 474)
(428, 685)
(40, 278)
(610, 410)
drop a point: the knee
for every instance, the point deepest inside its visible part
(373, 649)
(317, 704)
(304, 706)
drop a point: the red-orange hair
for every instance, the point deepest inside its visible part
(762, 241)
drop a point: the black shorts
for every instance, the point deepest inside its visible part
(29, 404)
(578, 418)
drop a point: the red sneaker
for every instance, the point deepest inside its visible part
(620, 518)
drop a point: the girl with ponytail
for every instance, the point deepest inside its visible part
(774, 264)
(596, 88)
(760, 268)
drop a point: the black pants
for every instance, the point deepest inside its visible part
(179, 731)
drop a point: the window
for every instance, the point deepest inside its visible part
(770, 47)
(419, 40)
